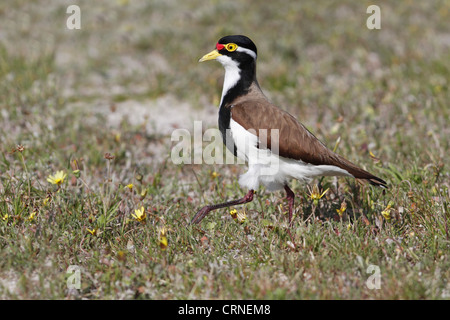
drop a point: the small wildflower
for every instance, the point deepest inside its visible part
(109, 156)
(75, 165)
(5, 217)
(373, 157)
(45, 201)
(214, 174)
(342, 209)
(76, 173)
(162, 238)
(238, 216)
(315, 194)
(139, 177)
(19, 148)
(143, 193)
(31, 216)
(57, 178)
(386, 213)
(93, 231)
(349, 226)
(241, 216)
(139, 214)
(121, 256)
(130, 186)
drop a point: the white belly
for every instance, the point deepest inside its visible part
(270, 169)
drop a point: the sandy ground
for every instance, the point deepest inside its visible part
(161, 116)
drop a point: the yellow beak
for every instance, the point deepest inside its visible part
(210, 56)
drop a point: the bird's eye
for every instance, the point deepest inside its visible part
(231, 47)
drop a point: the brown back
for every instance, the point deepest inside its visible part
(254, 111)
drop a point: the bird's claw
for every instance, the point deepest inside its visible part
(200, 215)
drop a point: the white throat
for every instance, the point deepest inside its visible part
(232, 74)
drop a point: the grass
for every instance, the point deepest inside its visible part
(383, 93)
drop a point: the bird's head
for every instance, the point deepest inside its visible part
(236, 50)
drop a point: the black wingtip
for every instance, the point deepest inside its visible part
(378, 182)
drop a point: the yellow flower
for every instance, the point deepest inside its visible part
(214, 174)
(57, 178)
(143, 193)
(315, 194)
(31, 217)
(5, 217)
(130, 186)
(342, 209)
(139, 214)
(162, 238)
(386, 213)
(121, 255)
(239, 216)
(374, 158)
(93, 231)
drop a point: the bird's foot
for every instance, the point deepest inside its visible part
(200, 215)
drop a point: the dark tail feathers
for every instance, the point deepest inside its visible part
(375, 181)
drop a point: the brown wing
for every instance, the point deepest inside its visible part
(295, 141)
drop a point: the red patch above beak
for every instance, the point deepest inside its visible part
(219, 46)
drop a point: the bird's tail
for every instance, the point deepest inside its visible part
(359, 173)
(375, 181)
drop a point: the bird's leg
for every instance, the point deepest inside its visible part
(205, 210)
(290, 196)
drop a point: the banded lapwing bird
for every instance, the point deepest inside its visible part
(276, 146)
